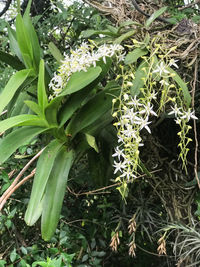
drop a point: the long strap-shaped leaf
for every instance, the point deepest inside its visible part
(24, 42)
(55, 192)
(43, 170)
(11, 60)
(42, 96)
(17, 138)
(14, 83)
(21, 120)
(33, 36)
(91, 111)
(183, 86)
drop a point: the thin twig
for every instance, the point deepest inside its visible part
(189, 5)
(7, 192)
(152, 253)
(11, 191)
(194, 123)
(105, 187)
(5, 111)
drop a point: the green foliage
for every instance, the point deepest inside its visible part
(91, 225)
(51, 177)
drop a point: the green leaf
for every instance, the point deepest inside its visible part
(17, 138)
(14, 47)
(43, 170)
(28, 8)
(52, 110)
(42, 96)
(89, 33)
(128, 23)
(183, 86)
(81, 79)
(91, 111)
(55, 191)
(155, 15)
(12, 61)
(2, 263)
(72, 104)
(24, 42)
(92, 142)
(24, 250)
(34, 107)
(133, 56)
(18, 106)
(13, 255)
(33, 37)
(21, 120)
(124, 36)
(138, 82)
(112, 29)
(12, 86)
(75, 100)
(96, 127)
(144, 169)
(78, 81)
(55, 52)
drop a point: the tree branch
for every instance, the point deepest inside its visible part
(6, 7)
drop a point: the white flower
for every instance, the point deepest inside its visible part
(164, 82)
(126, 97)
(176, 111)
(148, 109)
(172, 62)
(118, 153)
(188, 115)
(119, 166)
(161, 69)
(153, 95)
(144, 124)
(135, 102)
(128, 174)
(129, 132)
(178, 121)
(120, 139)
(81, 59)
(131, 116)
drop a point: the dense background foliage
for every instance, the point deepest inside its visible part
(155, 223)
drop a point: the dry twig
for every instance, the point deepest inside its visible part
(15, 183)
(194, 123)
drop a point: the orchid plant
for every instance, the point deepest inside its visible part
(71, 106)
(146, 93)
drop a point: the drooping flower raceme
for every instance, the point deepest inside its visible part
(182, 117)
(132, 119)
(81, 59)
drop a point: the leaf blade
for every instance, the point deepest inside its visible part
(183, 86)
(21, 120)
(133, 56)
(42, 96)
(81, 79)
(17, 138)
(155, 15)
(55, 192)
(12, 86)
(43, 170)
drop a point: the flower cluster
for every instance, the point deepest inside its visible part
(134, 117)
(80, 60)
(181, 114)
(182, 118)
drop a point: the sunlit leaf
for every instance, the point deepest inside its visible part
(17, 138)
(154, 16)
(43, 170)
(55, 191)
